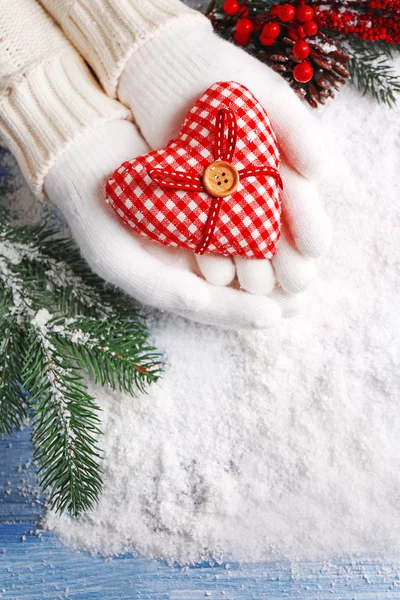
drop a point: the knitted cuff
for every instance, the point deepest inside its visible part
(44, 110)
(107, 32)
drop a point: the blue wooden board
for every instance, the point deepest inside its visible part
(34, 564)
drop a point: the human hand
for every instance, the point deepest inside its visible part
(153, 274)
(162, 80)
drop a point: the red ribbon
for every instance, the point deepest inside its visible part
(191, 180)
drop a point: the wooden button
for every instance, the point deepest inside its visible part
(220, 179)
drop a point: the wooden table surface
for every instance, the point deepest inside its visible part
(35, 565)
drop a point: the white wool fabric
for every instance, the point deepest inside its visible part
(158, 56)
(153, 274)
(161, 82)
(107, 32)
(48, 96)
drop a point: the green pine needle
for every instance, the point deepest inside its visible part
(65, 426)
(115, 354)
(372, 72)
(12, 408)
(58, 321)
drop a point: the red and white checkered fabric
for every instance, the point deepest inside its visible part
(248, 221)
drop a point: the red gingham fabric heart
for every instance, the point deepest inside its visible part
(161, 195)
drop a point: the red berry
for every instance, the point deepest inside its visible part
(230, 7)
(301, 49)
(286, 12)
(242, 39)
(300, 32)
(303, 72)
(304, 13)
(267, 41)
(244, 27)
(275, 10)
(310, 27)
(243, 11)
(271, 30)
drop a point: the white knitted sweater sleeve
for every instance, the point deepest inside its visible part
(48, 96)
(107, 32)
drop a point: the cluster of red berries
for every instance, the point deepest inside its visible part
(297, 21)
(366, 26)
(388, 5)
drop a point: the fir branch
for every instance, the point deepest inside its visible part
(115, 353)
(376, 49)
(65, 425)
(56, 263)
(59, 320)
(371, 71)
(45, 257)
(47, 271)
(12, 407)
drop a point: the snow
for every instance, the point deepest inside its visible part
(279, 442)
(327, 48)
(41, 319)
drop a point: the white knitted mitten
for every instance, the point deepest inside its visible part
(158, 57)
(68, 138)
(161, 81)
(152, 273)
